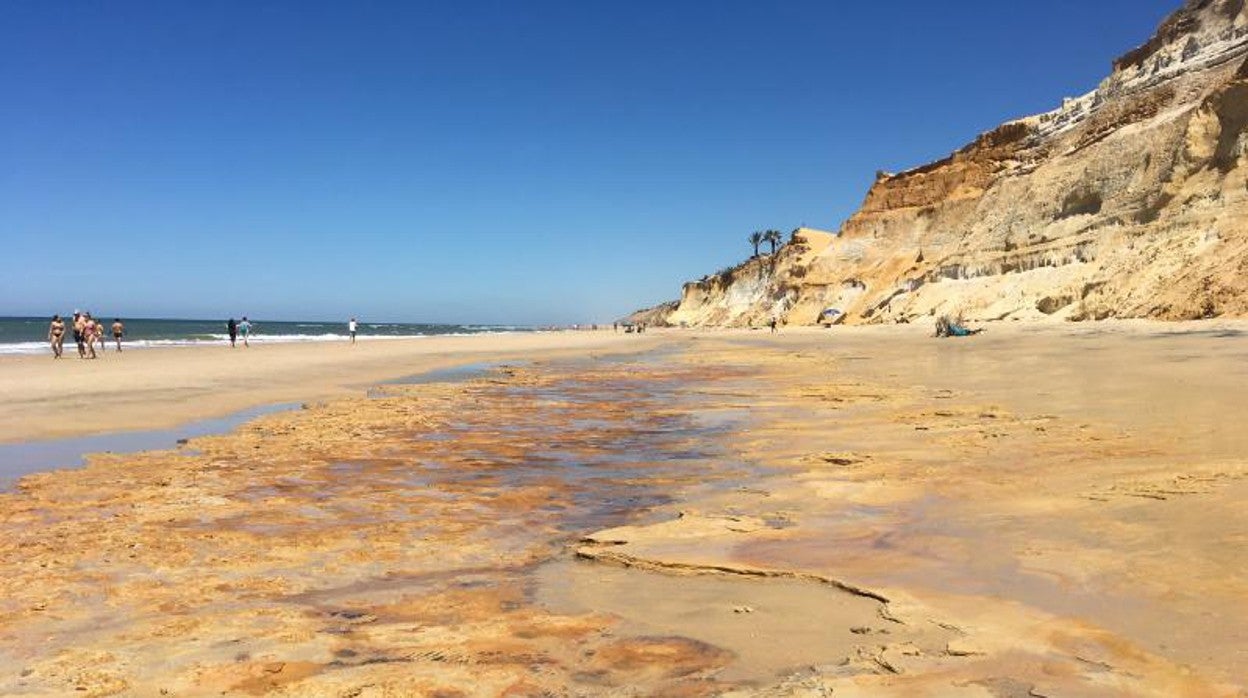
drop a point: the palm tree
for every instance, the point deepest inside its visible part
(773, 237)
(756, 238)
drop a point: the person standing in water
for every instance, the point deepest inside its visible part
(244, 329)
(351, 327)
(119, 330)
(232, 328)
(56, 336)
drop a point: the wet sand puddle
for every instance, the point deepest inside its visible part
(575, 455)
(518, 533)
(20, 459)
(758, 630)
(458, 373)
(1062, 555)
(24, 458)
(417, 541)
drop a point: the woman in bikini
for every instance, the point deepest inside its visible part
(89, 332)
(56, 336)
(99, 336)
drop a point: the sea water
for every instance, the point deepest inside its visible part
(28, 335)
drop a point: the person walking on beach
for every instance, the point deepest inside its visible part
(99, 334)
(351, 326)
(56, 336)
(244, 329)
(773, 325)
(232, 328)
(88, 335)
(80, 326)
(119, 330)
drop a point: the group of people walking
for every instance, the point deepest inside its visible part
(239, 329)
(88, 332)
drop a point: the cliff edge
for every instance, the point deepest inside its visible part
(1130, 201)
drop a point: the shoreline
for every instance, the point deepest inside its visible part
(162, 387)
(40, 348)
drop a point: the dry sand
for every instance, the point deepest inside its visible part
(1039, 511)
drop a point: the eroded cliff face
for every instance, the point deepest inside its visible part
(1130, 201)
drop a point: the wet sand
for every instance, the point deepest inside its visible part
(1039, 511)
(159, 388)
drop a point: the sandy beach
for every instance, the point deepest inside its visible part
(516, 350)
(1043, 510)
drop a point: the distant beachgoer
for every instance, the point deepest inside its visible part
(351, 326)
(56, 336)
(99, 334)
(244, 330)
(615, 327)
(88, 334)
(80, 326)
(954, 327)
(232, 328)
(119, 331)
(773, 325)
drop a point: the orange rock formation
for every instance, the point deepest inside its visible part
(1130, 201)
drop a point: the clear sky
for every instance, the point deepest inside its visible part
(508, 161)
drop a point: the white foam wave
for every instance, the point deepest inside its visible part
(25, 348)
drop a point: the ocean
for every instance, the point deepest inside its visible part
(28, 335)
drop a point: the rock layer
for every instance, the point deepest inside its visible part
(1130, 201)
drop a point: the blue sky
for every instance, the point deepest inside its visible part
(506, 161)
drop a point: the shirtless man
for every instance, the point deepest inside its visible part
(80, 334)
(56, 336)
(119, 330)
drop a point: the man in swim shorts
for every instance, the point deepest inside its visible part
(118, 331)
(80, 325)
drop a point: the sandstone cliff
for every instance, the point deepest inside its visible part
(1130, 201)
